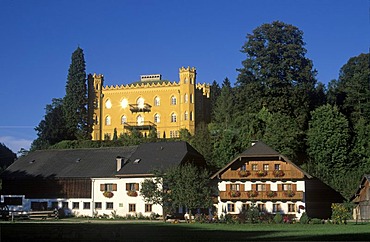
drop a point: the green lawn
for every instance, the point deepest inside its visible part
(77, 230)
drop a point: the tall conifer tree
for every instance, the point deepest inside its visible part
(75, 100)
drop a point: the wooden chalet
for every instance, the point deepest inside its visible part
(362, 199)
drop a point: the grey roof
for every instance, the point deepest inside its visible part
(100, 162)
(159, 156)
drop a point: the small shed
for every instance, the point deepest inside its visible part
(362, 199)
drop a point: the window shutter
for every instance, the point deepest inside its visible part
(242, 187)
(114, 188)
(127, 186)
(268, 187)
(294, 187)
(228, 187)
(280, 187)
(254, 187)
(102, 187)
(136, 186)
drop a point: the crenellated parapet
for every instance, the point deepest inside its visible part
(140, 85)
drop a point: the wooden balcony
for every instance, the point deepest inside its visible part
(288, 174)
(262, 195)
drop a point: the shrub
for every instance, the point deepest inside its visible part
(316, 221)
(341, 212)
(278, 218)
(304, 218)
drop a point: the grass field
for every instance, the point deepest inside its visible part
(77, 230)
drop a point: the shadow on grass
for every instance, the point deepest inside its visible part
(158, 232)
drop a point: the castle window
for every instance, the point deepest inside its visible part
(191, 98)
(140, 120)
(191, 116)
(107, 120)
(157, 118)
(173, 100)
(157, 101)
(186, 80)
(186, 115)
(186, 98)
(173, 118)
(140, 102)
(124, 103)
(123, 119)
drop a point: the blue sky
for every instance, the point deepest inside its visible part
(125, 39)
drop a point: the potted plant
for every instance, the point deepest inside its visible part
(108, 194)
(252, 193)
(271, 193)
(234, 193)
(289, 193)
(261, 173)
(132, 193)
(244, 173)
(278, 173)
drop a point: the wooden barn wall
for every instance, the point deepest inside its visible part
(319, 198)
(48, 188)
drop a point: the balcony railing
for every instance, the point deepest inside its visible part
(136, 108)
(288, 174)
(146, 125)
(261, 195)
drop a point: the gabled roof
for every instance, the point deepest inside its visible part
(365, 178)
(260, 150)
(159, 156)
(102, 162)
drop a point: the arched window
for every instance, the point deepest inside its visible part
(186, 98)
(186, 115)
(108, 104)
(107, 120)
(157, 101)
(173, 100)
(140, 102)
(191, 116)
(123, 119)
(140, 120)
(173, 118)
(191, 98)
(186, 80)
(157, 118)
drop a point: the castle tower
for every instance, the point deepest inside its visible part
(95, 97)
(187, 98)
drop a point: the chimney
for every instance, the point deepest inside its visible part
(119, 160)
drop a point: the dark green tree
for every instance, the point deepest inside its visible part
(215, 93)
(223, 109)
(52, 129)
(7, 157)
(75, 100)
(276, 73)
(201, 141)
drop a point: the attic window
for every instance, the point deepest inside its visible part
(137, 161)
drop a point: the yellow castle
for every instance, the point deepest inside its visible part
(151, 104)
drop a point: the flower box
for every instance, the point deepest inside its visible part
(252, 193)
(289, 193)
(261, 173)
(132, 193)
(271, 193)
(278, 173)
(233, 193)
(108, 194)
(244, 173)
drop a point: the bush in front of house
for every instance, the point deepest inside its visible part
(304, 218)
(278, 218)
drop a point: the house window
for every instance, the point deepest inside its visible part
(231, 207)
(75, 205)
(277, 167)
(287, 187)
(173, 118)
(246, 206)
(265, 167)
(157, 118)
(107, 120)
(291, 208)
(276, 207)
(132, 186)
(98, 205)
(186, 116)
(234, 187)
(254, 167)
(86, 205)
(244, 167)
(123, 119)
(64, 204)
(54, 205)
(262, 207)
(148, 208)
(132, 207)
(109, 205)
(108, 187)
(186, 98)
(261, 187)
(157, 101)
(173, 100)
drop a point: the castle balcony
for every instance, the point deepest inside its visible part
(261, 196)
(137, 108)
(146, 125)
(262, 175)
